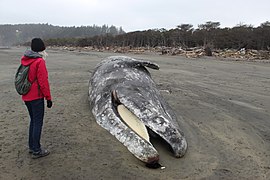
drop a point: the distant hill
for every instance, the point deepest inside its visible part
(21, 33)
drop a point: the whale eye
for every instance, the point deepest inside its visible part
(105, 95)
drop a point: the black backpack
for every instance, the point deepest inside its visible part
(22, 85)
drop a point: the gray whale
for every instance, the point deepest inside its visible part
(124, 80)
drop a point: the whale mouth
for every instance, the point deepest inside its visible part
(129, 119)
(138, 127)
(134, 123)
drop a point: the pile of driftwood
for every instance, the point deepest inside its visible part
(196, 52)
(243, 54)
(228, 53)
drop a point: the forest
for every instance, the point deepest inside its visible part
(185, 36)
(208, 34)
(11, 35)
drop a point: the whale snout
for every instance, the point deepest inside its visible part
(180, 148)
(153, 163)
(153, 160)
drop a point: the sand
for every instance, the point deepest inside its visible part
(224, 104)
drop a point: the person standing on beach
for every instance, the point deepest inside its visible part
(34, 99)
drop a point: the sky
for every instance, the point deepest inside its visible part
(133, 15)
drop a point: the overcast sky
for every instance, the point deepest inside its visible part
(134, 15)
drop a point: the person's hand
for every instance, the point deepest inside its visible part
(49, 103)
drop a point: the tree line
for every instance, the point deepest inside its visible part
(209, 34)
(21, 33)
(185, 36)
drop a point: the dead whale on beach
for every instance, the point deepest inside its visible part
(126, 102)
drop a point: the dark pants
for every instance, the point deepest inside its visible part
(36, 112)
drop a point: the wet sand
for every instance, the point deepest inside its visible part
(224, 104)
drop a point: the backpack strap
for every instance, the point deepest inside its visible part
(34, 81)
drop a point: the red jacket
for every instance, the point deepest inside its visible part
(37, 75)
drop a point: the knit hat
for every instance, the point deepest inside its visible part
(37, 45)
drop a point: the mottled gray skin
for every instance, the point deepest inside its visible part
(131, 82)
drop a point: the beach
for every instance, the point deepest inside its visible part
(224, 105)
